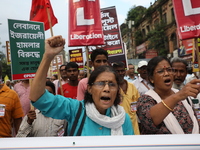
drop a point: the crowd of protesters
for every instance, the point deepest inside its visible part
(111, 101)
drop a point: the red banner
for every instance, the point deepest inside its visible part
(85, 26)
(151, 54)
(187, 14)
(76, 55)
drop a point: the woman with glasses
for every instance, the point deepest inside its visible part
(99, 112)
(164, 110)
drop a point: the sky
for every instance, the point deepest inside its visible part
(20, 10)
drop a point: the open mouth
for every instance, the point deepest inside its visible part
(167, 81)
(105, 98)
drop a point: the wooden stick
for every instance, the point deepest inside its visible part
(87, 57)
(30, 83)
(59, 77)
(197, 52)
(49, 18)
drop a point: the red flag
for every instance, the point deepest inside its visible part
(39, 13)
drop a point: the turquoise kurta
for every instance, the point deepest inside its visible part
(59, 107)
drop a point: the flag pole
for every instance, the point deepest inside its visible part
(87, 58)
(51, 30)
(197, 52)
(49, 18)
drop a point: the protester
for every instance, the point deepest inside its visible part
(180, 67)
(103, 115)
(130, 76)
(8, 83)
(64, 77)
(142, 82)
(70, 88)
(54, 77)
(81, 74)
(99, 57)
(164, 110)
(11, 110)
(23, 90)
(129, 95)
(35, 124)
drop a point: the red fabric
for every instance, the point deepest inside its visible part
(68, 91)
(39, 13)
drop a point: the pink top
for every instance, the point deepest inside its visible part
(23, 94)
(82, 87)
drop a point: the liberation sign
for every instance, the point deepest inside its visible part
(85, 23)
(27, 47)
(187, 14)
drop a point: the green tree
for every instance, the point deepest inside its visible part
(136, 13)
(157, 39)
(6, 69)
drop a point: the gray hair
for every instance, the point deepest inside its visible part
(177, 59)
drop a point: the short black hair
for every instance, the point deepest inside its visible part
(62, 66)
(71, 65)
(118, 64)
(92, 78)
(56, 76)
(51, 85)
(152, 64)
(97, 52)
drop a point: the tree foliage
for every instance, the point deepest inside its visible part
(136, 13)
(6, 69)
(157, 39)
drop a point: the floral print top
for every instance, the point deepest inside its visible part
(144, 104)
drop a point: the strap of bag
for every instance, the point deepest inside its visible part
(76, 120)
(81, 126)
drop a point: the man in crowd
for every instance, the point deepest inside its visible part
(64, 78)
(180, 68)
(23, 90)
(129, 95)
(142, 82)
(99, 57)
(10, 108)
(130, 73)
(35, 124)
(70, 88)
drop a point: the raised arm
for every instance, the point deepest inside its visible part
(159, 111)
(53, 46)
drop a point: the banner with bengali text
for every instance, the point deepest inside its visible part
(76, 55)
(56, 62)
(112, 36)
(26, 47)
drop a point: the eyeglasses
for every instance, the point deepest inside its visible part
(102, 84)
(162, 71)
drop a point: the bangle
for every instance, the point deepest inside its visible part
(167, 106)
